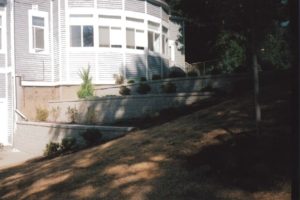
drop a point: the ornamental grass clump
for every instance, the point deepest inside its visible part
(86, 88)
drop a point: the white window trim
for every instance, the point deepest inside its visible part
(3, 48)
(42, 14)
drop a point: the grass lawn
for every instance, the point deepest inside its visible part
(210, 152)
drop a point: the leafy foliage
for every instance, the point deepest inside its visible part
(130, 81)
(68, 144)
(143, 88)
(52, 149)
(92, 136)
(156, 77)
(143, 79)
(124, 91)
(231, 49)
(192, 74)
(86, 88)
(168, 87)
(275, 52)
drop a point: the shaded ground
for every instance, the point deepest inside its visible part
(211, 153)
(10, 157)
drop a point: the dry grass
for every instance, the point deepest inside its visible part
(210, 154)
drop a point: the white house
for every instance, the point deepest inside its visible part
(44, 44)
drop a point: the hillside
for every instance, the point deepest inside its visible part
(210, 152)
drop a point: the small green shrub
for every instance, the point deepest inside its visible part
(52, 149)
(192, 74)
(176, 72)
(143, 88)
(68, 144)
(92, 136)
(130, 81)
(72, 114)
(119, 79)
(168, 87)
(143, 79)
(124, 91)
(86, 88)
(208, 88)
(41, 114)
(156, 77)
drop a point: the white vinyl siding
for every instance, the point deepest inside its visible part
(153, 9)
(109, 4)
(1, 31)
(135, 5)
(80, 3)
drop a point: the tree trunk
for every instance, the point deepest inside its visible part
(256, 92)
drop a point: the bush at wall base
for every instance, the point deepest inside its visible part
(143, 88)
(124, 91)
(168, 88)
(156, 77)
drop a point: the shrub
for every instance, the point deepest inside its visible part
(143, 88)
(176, 72)
(86, 88)
(156, 77)
(92, 136)
(124, 91)
(42, 114)
(52, 149)
(68, 144)
(119, 79)
(192, 74)
(91, 115)
(130, 81)
(168, 87)
(208, 88)
(143, 79)
(72, 114)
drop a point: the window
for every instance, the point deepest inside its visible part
(165, 40)
(154, 36)
(38, 31)
(154, 41)
(110, 37)
(116, 39)
(81, 36)
(130, 41)
(135, 39)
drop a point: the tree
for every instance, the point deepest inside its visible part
(253, 19)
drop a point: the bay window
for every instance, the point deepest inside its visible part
(153, 37)
(110, 37)
(135, 39)
(81, 36)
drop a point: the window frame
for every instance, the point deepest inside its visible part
(154, 33)
(44, 15)
(110, 46)
(81, 36)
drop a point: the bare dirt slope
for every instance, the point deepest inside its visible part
(209, 153)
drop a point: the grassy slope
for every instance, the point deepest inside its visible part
(210, 153)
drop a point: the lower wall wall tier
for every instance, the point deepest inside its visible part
(32, 137)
